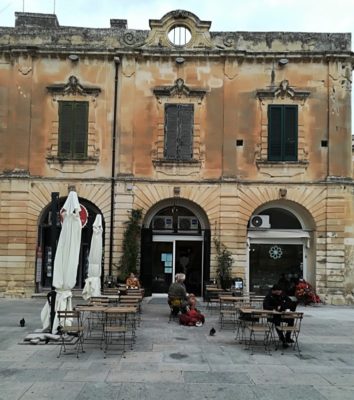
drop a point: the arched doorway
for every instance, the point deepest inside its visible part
(47, 244)
(279, 243)
(175, 238)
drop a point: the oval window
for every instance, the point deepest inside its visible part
(179, 35)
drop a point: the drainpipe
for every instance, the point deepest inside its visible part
(113, 171)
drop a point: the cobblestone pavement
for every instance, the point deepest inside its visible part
(175, 362)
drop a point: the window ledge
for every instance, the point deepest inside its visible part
(180, 163)
(165, 167)
(71, 165)
(286, 169)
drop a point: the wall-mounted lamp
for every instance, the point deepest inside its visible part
(73, 57)
(282, 62)
(180, 60)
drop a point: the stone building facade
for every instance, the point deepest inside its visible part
(241, 137)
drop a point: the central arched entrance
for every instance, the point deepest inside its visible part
(175, 238)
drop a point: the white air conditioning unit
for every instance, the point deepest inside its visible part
(260, 221)
(162, 222)
(187, 223)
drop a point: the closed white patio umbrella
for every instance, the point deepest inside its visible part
(66, 258)
(93, 281)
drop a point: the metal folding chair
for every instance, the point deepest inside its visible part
(260, 330)
(290, 326)
(70, 327)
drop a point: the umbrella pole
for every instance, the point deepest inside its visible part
(51, 297)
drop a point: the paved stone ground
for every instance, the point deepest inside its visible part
(174, 362)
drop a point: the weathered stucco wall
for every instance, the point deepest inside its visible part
(230, 78)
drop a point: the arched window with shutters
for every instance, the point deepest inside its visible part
(179, 119)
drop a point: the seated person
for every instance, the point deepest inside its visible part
(277, 301)
(192, 317)
(132, 281)
(177, 294)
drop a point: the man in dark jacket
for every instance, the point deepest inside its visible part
(277, 301)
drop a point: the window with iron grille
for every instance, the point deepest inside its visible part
(179, 119)
(73, 129)
(282, 132)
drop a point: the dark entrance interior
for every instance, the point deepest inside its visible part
(269, 262)
(45, 261)
(189, 262)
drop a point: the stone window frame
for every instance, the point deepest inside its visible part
(73, 91)
(179, 93)
(283, 94)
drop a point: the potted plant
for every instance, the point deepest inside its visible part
(224, 264)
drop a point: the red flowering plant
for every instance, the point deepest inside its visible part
(305, 293)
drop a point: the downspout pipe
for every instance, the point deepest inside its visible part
(113, 170)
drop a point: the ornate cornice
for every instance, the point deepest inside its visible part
(73, 87)
(282, 91)
(179, 89)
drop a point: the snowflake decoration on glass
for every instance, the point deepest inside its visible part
(275, 252)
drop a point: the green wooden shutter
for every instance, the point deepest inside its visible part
(185, 132)
(66, 118)
(282, 132)
(290, 133)
(80, 130)
(73, 129)
(274, 133)
(171, 131)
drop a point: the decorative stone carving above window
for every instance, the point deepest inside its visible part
(179, 89)
(197, 30)
(282, 91)
(73, 87)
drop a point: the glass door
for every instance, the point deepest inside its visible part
(162, 266)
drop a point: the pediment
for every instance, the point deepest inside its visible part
(179, 89)
(73, 87)
(198, 30)
(282, 91)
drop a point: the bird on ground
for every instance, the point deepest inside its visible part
(212, 332)
(22, 322)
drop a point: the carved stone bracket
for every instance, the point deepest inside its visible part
(179, 89)
(282, 91)
(73, 87)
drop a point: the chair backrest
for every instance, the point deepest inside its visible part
(175, 301)
(101, 300)
(67, 318)
(296, 316)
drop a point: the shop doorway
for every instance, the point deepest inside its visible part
(177, 256)
(271, 262)
(278, 248)
(175, 238)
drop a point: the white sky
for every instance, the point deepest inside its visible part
(226, 15)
